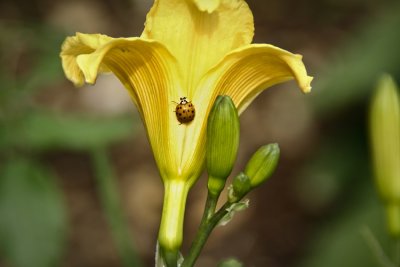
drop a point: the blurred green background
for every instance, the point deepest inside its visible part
(71, 158)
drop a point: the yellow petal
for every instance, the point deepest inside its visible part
(199, 40)
(247, 71)
(207, 5)
(150, 74)
(78, 45)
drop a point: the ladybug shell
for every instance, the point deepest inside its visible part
(185, 112)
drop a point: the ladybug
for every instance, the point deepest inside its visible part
(185, 111)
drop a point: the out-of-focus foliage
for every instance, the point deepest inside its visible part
(32, 216)
(341, 167)
(25, 125)
(39, 130)
(28, 62)
(356, 65)
(112, 207)
(341, 242)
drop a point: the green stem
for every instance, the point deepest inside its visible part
(112, 207)
(209, 209)
(207, 224)
(170, 235)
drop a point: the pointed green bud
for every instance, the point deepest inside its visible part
(241, 185)
(262, 164)
(385, 145)
(222, 142)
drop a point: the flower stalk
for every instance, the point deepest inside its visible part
(208, 223)
(171, 228)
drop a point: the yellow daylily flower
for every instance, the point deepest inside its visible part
(196, 49)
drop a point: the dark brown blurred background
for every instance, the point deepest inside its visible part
(310, 212)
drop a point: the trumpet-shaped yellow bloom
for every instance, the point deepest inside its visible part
(189, 48)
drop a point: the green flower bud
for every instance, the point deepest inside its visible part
(385, 144)
(241, 185)
(262, 164)
(222, 142)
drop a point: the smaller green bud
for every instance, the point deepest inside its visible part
(262, 164)
(241, 185)
(222, 142)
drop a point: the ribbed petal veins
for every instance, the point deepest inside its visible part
(149, 73)
(247, 71)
